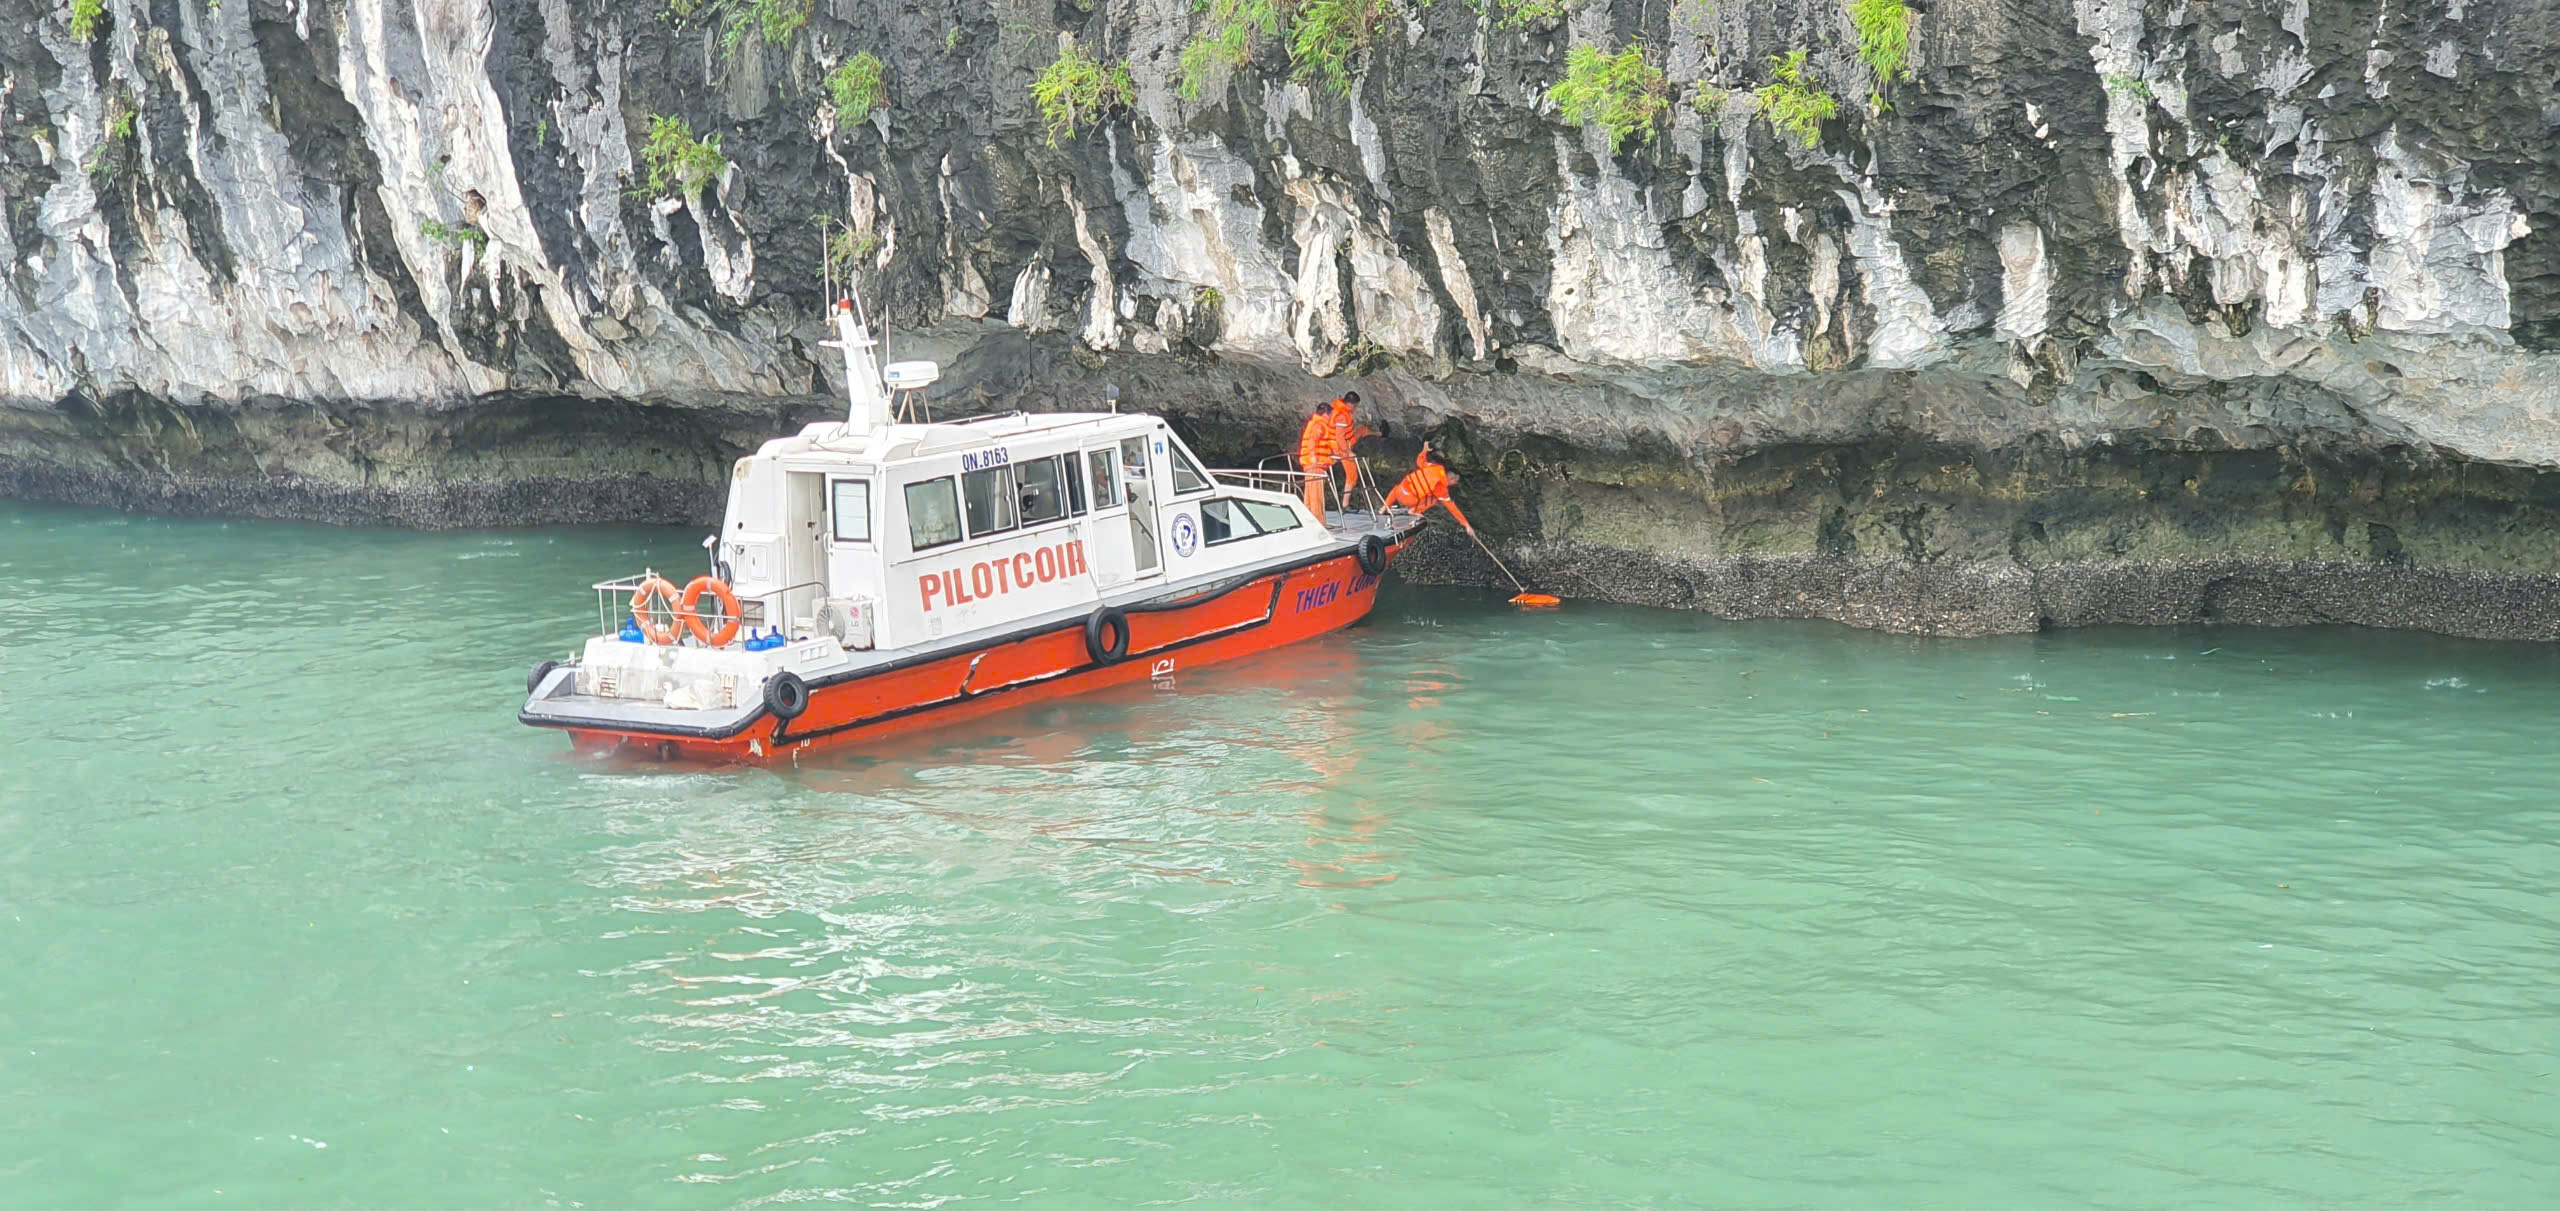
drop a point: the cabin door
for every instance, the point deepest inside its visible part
(1139, 486)
(804, 554)
(1120, 547)
(853, 557)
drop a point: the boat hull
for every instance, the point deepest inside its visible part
(1259, 614)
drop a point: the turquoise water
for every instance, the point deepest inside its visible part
(1463, 908)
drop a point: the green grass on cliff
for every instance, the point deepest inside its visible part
(848, 249)
(856, 86)
(1077, 90)
(1520, 14)
(1621, 93)
(676, 159)
(1793, 101)
(1226, 42)
(1325, 38)
(1884, 37)
(1326, 35)
(442, 234)
(84, 18)
(110, 153)
(777, 20)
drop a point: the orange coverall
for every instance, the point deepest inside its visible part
(1316, 452)
(1347, 433)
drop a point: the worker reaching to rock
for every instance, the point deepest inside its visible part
(1427, 485)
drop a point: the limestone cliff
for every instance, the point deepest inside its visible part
(2109, 310)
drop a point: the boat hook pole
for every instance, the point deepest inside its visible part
(1516, 586)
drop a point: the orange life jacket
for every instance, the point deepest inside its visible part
(1426, 486)
(1315, 443)
(1421, 489)
(1347, 433)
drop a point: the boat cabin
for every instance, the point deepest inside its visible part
(912, 533)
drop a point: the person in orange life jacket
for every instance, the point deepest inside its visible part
(1315, 457)
(1321, 444)
(1347, 432)
(1427, 485)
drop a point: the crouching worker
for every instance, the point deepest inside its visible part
(1426, 486)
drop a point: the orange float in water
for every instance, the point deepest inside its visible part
(1537, 601)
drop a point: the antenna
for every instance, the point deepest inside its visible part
(876, 395)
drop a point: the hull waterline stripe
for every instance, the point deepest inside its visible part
(780, 738)
(1206, 595)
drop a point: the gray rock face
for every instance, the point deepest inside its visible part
(2112, 311)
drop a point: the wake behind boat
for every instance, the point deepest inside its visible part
(879, 574)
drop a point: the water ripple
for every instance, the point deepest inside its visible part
(1466, 907)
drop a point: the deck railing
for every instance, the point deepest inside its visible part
(770, 608)
(1265, 477)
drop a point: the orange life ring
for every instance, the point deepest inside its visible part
(728, 610)
(658, 588)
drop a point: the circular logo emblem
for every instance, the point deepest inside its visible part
(1186, 537)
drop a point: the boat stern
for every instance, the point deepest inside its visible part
(656, 695)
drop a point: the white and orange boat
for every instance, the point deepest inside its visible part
(890, 572)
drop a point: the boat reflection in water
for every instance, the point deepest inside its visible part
(1125, 771)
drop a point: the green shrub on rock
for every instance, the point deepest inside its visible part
(1226, 41)
(1519, 14)
(457, 236)
(1794, 103)
(1884, 37)
(676, 159)
(1077, 89)
(1325, 37)
(856, 86)
(777, 20)
(1619, 93)
(848, 249)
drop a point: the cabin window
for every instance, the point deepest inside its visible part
(987, 496)
(1106, 486)
(853, 510)
(1221, 521)
(1133, 457)
(1044, 490)
(933, 514)
(1186, 473)
(1270, 519)
(1067, 464)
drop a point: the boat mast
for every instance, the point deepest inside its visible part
(866, 397)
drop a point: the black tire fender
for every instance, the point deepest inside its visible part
(533, 680)
(1111, 622)
(786, 695)
(1372, 554)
